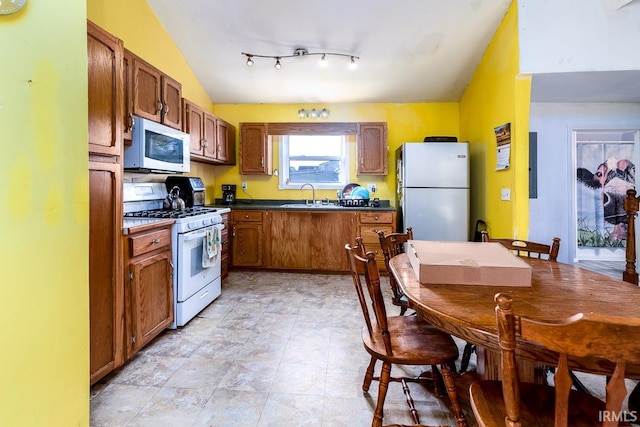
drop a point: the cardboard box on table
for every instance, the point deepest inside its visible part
(467, 263)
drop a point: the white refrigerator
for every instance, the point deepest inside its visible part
(433, 190)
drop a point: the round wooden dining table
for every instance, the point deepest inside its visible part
(557, 291)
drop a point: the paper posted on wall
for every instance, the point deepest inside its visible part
(503, 141)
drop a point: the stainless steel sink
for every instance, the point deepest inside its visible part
(304, 206)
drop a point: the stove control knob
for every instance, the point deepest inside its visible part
(191, 225)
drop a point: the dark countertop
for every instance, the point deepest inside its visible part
(265, 204)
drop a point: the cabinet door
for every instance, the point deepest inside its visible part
(171, 102)
(151, 298)
(247, 244)
(147, 87)
(106, 294)
(192, 124)
(371, 147)
(226, 142)
(290, 233)
(127, 111)
(104, 55)
(224, 242)
(330, 231)
(210, 144)
(255, 153)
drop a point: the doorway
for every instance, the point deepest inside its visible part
(604, 165)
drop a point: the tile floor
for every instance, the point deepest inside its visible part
(275, 349)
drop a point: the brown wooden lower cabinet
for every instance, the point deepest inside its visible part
(311, 240)
(247, 238)
(149, 286)
(330, 231)
(106, 307)
(288, 242)
(369, 223)
(225, 243)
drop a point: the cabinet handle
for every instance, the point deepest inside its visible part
(376, 217)
(203, 143)
(166, 108)
(159, 106)
(261, 162)
(155, 241)
(362, 161)
(130, 124)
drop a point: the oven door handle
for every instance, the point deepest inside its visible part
(196, 234)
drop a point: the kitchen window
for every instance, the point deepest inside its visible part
(321, 160)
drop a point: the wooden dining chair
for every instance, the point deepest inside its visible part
(631, 206)
(399, 340)
(528, 249)
(391, 245)
(524, 248)
(520, 248)
(512, 403)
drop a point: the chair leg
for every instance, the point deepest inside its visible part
(385, 376)
(466, 357)
(437, 381)
(368, 376)
(447, 376)
(403, 310)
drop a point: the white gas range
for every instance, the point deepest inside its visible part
(195, 283)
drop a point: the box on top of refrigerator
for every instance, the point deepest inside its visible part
(467, 263)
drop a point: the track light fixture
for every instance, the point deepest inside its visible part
(299, 53)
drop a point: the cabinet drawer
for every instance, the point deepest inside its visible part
(370, 236)
(376, 218)
(246, 216)
(150, 241)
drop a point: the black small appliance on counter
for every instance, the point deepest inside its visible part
(228, 194)
(191, 189)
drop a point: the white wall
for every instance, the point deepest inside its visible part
(578, 35)
(551, 213)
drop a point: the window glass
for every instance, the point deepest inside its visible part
(317, 159)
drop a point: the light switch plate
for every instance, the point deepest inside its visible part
(371, 188)
(505, 194)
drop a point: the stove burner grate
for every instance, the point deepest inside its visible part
(160, 213)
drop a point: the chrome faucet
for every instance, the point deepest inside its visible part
(313, 193)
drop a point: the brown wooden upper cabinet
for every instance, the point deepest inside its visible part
(127, 111)
(371, 149)
(255, 149)
(156, 96)
(213, 140)
(104, 54)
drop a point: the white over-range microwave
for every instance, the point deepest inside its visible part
(156, 148)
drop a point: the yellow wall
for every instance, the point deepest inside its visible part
(497, 95)
(44, 362)
(405, 122)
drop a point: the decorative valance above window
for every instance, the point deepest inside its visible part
(312, 128)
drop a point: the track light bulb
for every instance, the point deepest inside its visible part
(323, 60)
(353, 64)
(249, 60)
(278, 65)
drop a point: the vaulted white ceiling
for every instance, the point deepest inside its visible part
(410, 50)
